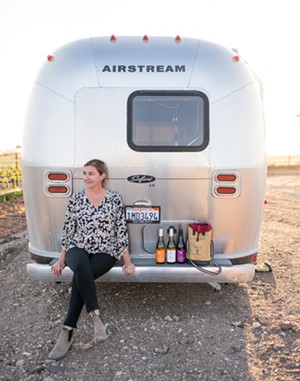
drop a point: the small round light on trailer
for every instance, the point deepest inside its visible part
(50, 58)
(145, 38)
(113, 38)
(236, 58)
(178, 38)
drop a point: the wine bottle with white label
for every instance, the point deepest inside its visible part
(171, 247)
(160, 248)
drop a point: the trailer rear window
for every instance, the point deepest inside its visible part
(168, 121)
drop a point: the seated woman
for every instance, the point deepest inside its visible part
(94, 237)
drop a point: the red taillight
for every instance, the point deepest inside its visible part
(58, 183)
(113, 38)
(226, 183)
(226, 190)
(177, 38)
(226, 177)
(57, 176)
(146, 38)
(50, 58)
(57, 189)
(236, 58)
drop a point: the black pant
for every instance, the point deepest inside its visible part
(86, 268)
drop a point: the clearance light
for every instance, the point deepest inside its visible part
(236, 58)
(50, 58)
(146, 38)
(58, 176)
(57, 189)
(113, 38)
(178, 39)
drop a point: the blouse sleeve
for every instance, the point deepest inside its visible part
(121, 231)
(69, 224)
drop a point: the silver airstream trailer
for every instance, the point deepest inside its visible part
(180, 124)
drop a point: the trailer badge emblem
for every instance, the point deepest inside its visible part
(141, 179)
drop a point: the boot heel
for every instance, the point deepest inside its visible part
(100, 330)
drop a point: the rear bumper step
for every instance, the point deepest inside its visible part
(154, 274)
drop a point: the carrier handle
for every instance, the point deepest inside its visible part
(142, 203)
(212, 249)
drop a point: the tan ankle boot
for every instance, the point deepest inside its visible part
(62, 345)
(100, 330)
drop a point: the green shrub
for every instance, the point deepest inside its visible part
(11, 195)
(10, 177)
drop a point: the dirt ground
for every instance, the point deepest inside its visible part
(162, 332)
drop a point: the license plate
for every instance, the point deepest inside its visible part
(142, 214)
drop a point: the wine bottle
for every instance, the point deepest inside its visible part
(171, 247)
(160, 248)
(180, 248)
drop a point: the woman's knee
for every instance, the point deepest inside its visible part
(77, 259)
(101, 264)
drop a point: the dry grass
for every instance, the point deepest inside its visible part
(10, 160)
(292, 161)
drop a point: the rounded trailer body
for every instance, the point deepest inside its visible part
(180, 124)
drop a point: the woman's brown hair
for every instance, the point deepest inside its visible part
(100, 166)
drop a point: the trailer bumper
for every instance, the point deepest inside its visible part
(153, 273)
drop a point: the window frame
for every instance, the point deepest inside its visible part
(167, 148)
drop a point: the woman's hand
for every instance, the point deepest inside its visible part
(58, 267)
(128, 269)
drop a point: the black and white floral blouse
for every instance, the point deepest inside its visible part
(99, 229)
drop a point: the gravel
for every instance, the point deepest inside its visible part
(162, 332)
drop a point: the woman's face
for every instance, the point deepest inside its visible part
(92, 177)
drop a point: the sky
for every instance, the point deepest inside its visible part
(266, 33)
